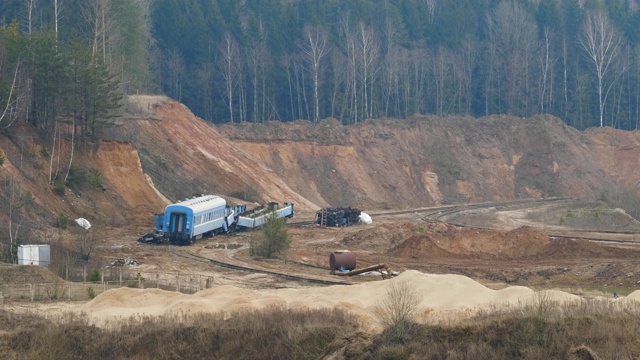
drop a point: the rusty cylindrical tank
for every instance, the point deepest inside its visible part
(344, 259)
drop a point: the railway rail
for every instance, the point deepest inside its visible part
(429, 214)
(437, 214)
(226, 265)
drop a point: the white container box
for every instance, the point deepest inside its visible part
(39, 255)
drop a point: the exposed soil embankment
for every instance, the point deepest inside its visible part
(186, 156)
(442, 241)
(431, 160)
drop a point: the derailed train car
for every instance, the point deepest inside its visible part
(191, 219)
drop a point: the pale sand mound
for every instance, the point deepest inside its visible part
(442, 297)
(634, 296)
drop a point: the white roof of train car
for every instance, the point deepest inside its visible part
(202, 203)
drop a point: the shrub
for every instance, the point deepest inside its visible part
(397, 310)
(59, 188)
(275, 238)
(418, 229)
(62, 221)
(94, 275)
(91, 293)
(77, 177)
(95, 179)
(136, 281)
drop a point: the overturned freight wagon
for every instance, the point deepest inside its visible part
(338, 217)
(191, 219)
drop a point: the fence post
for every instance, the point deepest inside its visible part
(33, 291)
(120, 274)
(84, 273)
(157, 281)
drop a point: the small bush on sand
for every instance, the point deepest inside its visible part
(397, 310)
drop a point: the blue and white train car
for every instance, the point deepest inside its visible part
(188, 220)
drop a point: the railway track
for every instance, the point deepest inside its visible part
(441, 211)
(436, 214)
(226, 265)
(429, 214)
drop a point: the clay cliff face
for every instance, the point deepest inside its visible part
(168, 154)
(421, 161)
(429, 160)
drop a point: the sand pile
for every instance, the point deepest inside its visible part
(447, 241)
(440, 296)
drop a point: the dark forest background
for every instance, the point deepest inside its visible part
(234, 60)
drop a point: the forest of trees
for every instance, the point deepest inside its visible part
(69, 62)
(239, 60)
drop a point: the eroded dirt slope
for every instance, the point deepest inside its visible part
(384, 163)
(431, 160)
(185, 156)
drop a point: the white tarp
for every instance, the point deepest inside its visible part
(365, 218)
(84, 223)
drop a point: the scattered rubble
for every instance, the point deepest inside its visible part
(128, 261)
(150, 238)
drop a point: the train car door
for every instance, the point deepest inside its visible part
(178, 222)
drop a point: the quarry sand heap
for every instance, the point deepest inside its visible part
(440, 297)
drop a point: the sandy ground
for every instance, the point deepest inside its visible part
(439, 298)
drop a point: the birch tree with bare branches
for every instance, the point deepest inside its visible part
(230, 69)
(315, 48)
(368, 52)
(602, 44)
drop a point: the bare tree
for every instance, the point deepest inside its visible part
(514, 33)
(350, 49)
(31, 9)
(259, 62)
(287, 63)
(340, 74)
(176, 70)
(230, 69)
(368, 51)
(13, 99)
(86, 240)
(390, 68)
(467, 57)
(442, 68)
(431, 8)
(16, 201)
(546, 66)
(602, 44)
(57, 10)
(417, 79)
(97, 13)
(315, 48)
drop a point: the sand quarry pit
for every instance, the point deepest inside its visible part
(441, 298)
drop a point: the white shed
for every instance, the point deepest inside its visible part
(39, 255)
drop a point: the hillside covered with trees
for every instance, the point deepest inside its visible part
(233, 61)
(354, 60)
